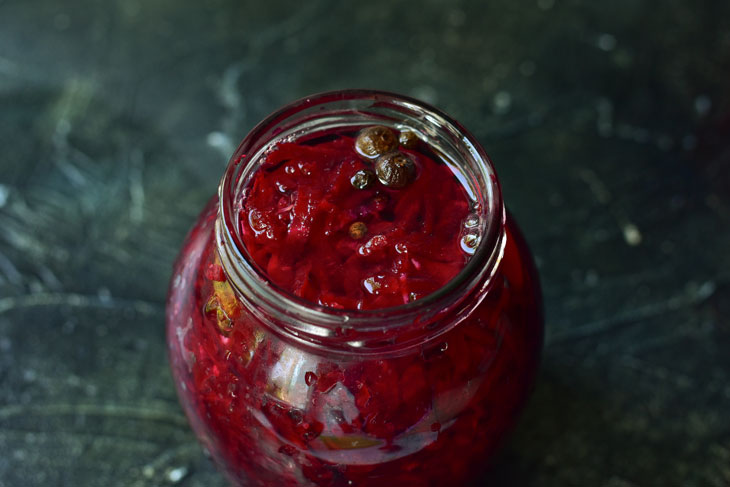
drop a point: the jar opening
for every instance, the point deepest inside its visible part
(356, 108)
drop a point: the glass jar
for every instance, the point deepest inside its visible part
(283, 392)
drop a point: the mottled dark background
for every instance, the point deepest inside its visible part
(609, 123)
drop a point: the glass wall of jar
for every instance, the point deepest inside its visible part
(286, 392)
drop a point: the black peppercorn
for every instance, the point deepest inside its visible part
(375, 141)
(395, 170)
(408, 139)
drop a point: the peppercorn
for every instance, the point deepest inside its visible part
(358, 230)
(375, 141)
(363, 179)
(395, 170)
(408, 139)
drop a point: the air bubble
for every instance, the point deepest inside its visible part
(471, 221)
(281, 187)
(469, 242)
(372, 284)
(256, 222)
(304, 168)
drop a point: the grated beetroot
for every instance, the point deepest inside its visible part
(297, 216)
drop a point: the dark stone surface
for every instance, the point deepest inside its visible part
(609, 123)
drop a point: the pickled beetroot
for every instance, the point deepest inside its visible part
(301, 206)
(283, 393)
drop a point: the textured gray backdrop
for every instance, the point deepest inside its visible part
(609, 125)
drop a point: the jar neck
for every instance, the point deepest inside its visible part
(363, 331)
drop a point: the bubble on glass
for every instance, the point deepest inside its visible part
(401, 248)
(281, 187)
(470, 241)
(372, 284)
(256, 222)
(471, 221)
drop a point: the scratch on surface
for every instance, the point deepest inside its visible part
(108, 410)
(78, 301)
(629, 230)
(599, 190)
(509, 128)
(688, 298)
(71, 105)
(235, 108)
(9, 270)
(658, 343)
(289, 26)
(72, 173)
(659, 373)
(49, 278)
(136, 187)
(131, 439)
(18, 235)
(228, 93)
(165, 459)
(229, 89)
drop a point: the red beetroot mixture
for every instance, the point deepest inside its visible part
(275, 414)
(317, 235)
(430, 418)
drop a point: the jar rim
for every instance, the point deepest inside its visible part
(311, 318)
